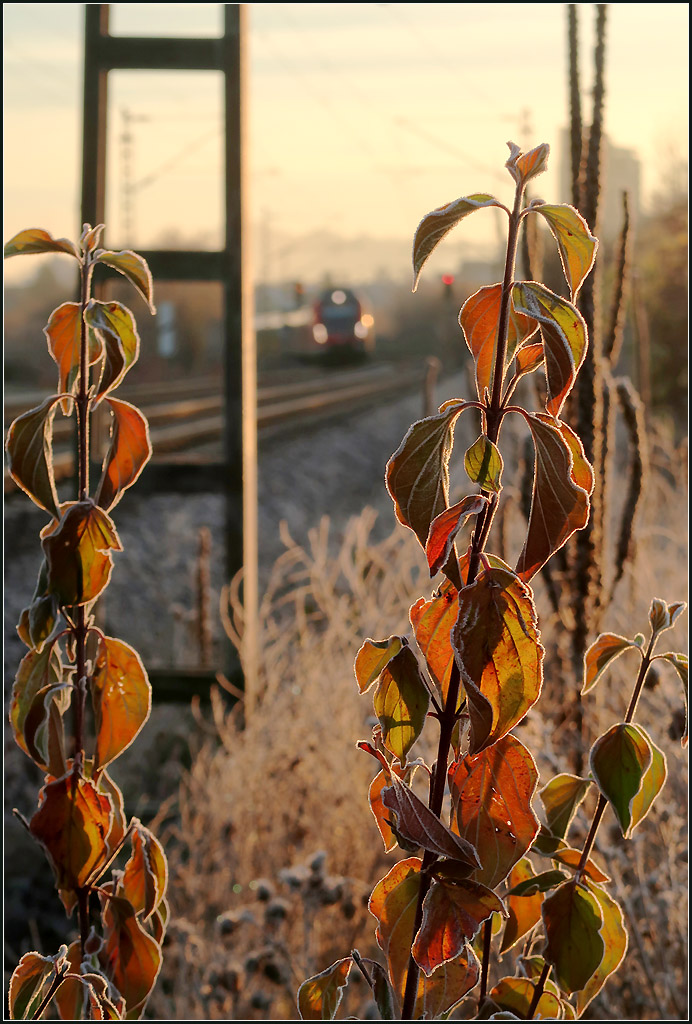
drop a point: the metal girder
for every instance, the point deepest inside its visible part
(229, 266)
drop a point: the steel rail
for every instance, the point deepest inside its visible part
(179, 425)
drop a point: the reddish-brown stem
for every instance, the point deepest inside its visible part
(485, 966)
(538, 991)
(81, 627)
(53, 988)
(493, 413)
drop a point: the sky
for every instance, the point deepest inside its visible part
(362, 117)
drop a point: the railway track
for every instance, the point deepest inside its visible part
(186, 417)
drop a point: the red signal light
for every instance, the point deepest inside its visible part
(448, 279)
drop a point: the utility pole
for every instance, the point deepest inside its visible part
(128, 187)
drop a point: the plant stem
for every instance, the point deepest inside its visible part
(54, 986)
(80, 633)
(494, 414)
(629, 717)
(485, 966)
(538, 991)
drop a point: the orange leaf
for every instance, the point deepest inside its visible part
(145, 876)
(77, 550)
(128, 454)
(524, 911)
(71, 823)
(122, 699)
(445, 527)
(452, 914)
(479, 319)
(372, 659)
(393, 903)
(524, 166)
(562, 485)
(64, 335)
(132, 957)
(432, 623)
(491, 805)
(319, 997)
(499, 654)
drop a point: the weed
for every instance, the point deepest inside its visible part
(474, 666)
(110, 970)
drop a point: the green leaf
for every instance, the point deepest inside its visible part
(576, 245)
(575, 947)
(38, 620)
(499, 654)
(77, 550)
(115, 327)
(434, 226)
(491, 796)
(30, 455)
(373, 658)
(620, 760)
(516, 994)
(43, 728)
(417, 824)
(31, 981)
(37, 670)
(453, 912)
(652, 783)
(401, 703)
(564, 335)
(681, 666)
(543, 882)
(562, 485)
(615, 940)
(121, 695)
(605, 649)
(484, 465)
(561, 798)
(417, 474)
(134, 268)
(129, 452)
(36, 240)
(445, 527)
(382, 991)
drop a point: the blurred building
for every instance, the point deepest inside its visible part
(620, 172)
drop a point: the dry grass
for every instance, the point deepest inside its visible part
(265, 798)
